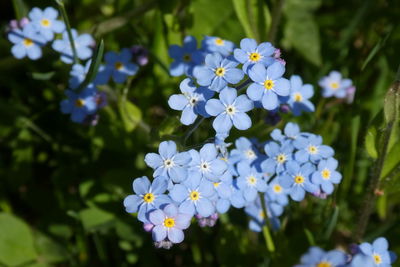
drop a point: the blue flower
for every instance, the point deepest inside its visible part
(206, 163)
(45, 22)
(169, 223)
(257, 215)
(277, 193)
(291, 132)
(297, 180)
(245, 151)
(82, 45)
(218, 72)
(169, 162)
(78, 74)
(193, 196)
(250, 181)
(212, 44)
(230, 109)
(268, 84)
(326, 175)
(361, 260)
(310, 148)
(119, 65)
(334, 85)
(185, 57)
(299, 95)
(27, 42)
(250, 53)
(318, 257)
(378, 251)
(278, 157)
(192, 101)
(148, 196)
(223, 190)
(80, 105)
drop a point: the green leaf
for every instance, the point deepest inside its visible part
(332, 223)
(20, 9)
(242, 14)
(16, 241)
(94, 218)
(301, 31)
(131, 115)
(372, 138)
(94, 66)
(49, 250)
(391, 106)
(392, 160)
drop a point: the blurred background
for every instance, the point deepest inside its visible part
(62, 184)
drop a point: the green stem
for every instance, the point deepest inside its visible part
(276, 17)
(242, 86)
(192, 129)
(67, 25)
(269, 242)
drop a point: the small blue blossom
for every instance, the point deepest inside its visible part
(334, 85)
(185, 58)
(230, 110)
(27, 42)
(81, 104)
(119, 65)
(297, 180)
(212, 44)
(192, 101)
(169, 223)
(318, 257)
(290, 133)
(326, 175)
(277, 193)
(218, 72)
(257, 215)
(206, 163)
(250, 53)
(361, 260)
(250, 181)
(379, 252)
(299, 96)
(148, 196)
(310, 148)
(193, 196)
(223, 190)
(82, 45)
(278, 157)
(268, 84)
(169, 163)
(245, 151)
(45, 22)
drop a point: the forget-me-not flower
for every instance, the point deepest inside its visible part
(311, 148)
(230, 110)
(169, 162)
(168, 224)
(278, 157)
(299, 96)
(326, 175)
(318, 257)
(27, 42)
(81, 104)
(268, 84)
(119, 65)
(290, 133)
(212, 44)
(82, 45)
(45, 22)
(218, 72)
(250, 181)
(379, 252)
(192, 101)
(250, 53)
(244, 151)
(148, 196)
(334, 85)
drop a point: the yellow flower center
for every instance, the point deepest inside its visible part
(219, 41)
(220, 71)
(230, 110)
(281, 158)
(312, 149)
(216, 184)
(261, 215)
(254, 57)
(326, 174)
(298, 97)
(324, 264)
(377, 258)
(268, 84)
(277, 188)
(27, 42)
(334, 85)
(169, 222)
(298, 179)
(148, 198)
(118, 65)
(194, 195)
(79, 103)
(187, 57)
(252, 180)
(45, 22)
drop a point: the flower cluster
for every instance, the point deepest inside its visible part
(258, 178)
(365, 254)
(335, 85)
(42, 26)
(214, 70)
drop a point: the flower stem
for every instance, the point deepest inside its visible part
(61, 7)
(192, 129)
(269, 242)
(242, 86)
